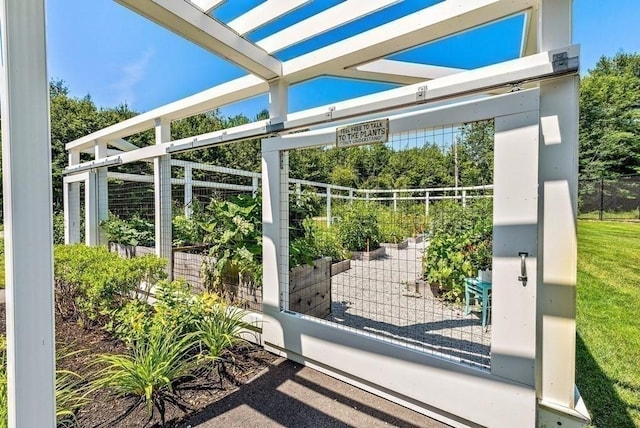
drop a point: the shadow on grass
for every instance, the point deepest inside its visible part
(598, 392)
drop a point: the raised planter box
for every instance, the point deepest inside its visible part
(310, 288)
(399, 246)
(417, 239)
(340, 267)
(368, 255)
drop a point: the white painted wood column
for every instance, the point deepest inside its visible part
(162, 192)
(515, 220)
(188, 191)
(102, 191)
(329, 214)
(26, 149)
(71, 201)
(557, 206)
(426, 204)
(91, 227)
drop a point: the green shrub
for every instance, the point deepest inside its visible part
(220, 330)
(186, 231)
(460, 245)
(150, 370)
(133, 232)
(91, 281)
(328, 244)
(357, 226)
(235, 236)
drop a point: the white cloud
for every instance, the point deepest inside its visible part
(132, 74)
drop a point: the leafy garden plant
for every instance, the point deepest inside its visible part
(358, 226)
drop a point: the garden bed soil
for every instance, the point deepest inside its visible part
(198, 393)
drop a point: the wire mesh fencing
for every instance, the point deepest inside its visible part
(609, 199)
(391, 262)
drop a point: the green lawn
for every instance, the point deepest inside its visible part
(608, 308)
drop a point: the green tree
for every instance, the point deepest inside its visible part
(610, 117)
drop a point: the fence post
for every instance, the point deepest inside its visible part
(254, 185)
(350, 196)
(162, 193)
(426, 204)
(328, 206)
(72, 205)
(395, 201)
(601, 198)
(299, 189)
(188, 191)
(464, 199)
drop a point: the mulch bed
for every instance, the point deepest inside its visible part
(194, 395)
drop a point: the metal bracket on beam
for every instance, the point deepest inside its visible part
(421, 95)
(92, 165)
(562, 63)
(329, 114)
(274, 127)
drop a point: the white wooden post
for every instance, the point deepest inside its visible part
(464, 199)
(515, 216)
(71, 200)
(366, 194)
(350, 196)
(395, 201)
(102, 189)
(328, 205)
(299, 189)
(255, 185)
(162, 190)
(426, 204)
(91, 227)
(188, 191)
(26, 150)
(557, 226)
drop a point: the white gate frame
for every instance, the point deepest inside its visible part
(429, 384)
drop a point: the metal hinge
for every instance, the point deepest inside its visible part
(421, 95)
(562, 63)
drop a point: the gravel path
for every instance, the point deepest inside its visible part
(379, 297)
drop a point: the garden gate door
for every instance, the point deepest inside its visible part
(502, 395)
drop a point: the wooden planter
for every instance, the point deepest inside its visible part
(340, 267)
(368, 255)
(310, 288)
(399, 246)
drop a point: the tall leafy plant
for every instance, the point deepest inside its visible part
(234, 233)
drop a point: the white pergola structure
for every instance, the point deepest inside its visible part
(533, 365)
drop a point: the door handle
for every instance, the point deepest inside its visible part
(523, 268)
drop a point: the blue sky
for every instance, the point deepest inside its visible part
(101, 48)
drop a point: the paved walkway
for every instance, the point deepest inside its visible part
(379, 297)
(290, 395)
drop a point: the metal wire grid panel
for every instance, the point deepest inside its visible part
(609, 199)
(373, 273)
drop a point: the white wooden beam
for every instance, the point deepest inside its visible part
(263, 14)
(188, 21)
(404, 68)
(123, 145)
(226, 93)
(26, 148)
(322, 22)
(435, 22)
(400, 72)
(207, 5)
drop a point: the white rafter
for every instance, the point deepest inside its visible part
(400, 72)
(322, 22)
(435, 22)
(264, 13)
(187, 20)
(207, 5)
